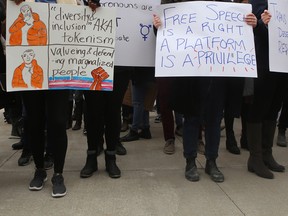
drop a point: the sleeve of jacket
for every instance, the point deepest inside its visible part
(258, 7)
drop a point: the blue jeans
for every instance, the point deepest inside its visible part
(140, 115)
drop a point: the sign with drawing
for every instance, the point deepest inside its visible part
(278, 36)
(59, 46)
(205, 39)
(135, 38)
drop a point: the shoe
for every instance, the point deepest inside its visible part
(17, 146)
(145, 133)
(120, 149)
(169, 147)
(91, 165)
(212, 170)
(257, 166)
(201, 147)
(157, 119)
(48, 161)
(179, 131)
(231, 145)
(58, 189)
(37, 183)
(77, 125)
(131, 136)
(111, 167)
(244, 142)
(281, 138)
(191, 173)
(25, 159)
(125, 125)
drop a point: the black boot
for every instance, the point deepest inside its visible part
(131, 136)
(212, 170)
(191, 172)
(111, 166)
(268, 131)
(18, 145)
(231, 143)
(120, 149)
(91, 165)
(145, 133)
(255, 161)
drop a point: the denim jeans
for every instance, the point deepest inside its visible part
(140, 115)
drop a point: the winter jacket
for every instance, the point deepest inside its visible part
(36, 35)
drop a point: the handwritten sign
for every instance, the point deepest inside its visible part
(135, 39)
(63, 47)
(205, 39)
(278, 36)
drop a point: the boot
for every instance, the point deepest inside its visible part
(191, 173)
(131, 136)
(268, 131)
(255, 161)
(281, 138)
(91, 165)
(111, 166)
(212, 170)
(231, 143)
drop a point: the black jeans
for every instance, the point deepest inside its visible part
(104, 112)
(47, 109)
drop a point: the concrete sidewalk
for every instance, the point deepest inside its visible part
(152, 183)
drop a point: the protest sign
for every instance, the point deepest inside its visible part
(205, 39)
(278, 36)
(59, 46)
(135, 38)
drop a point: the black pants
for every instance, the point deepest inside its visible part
(104, 111)
(47, 109)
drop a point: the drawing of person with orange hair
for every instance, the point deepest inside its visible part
(28, 29)
(29, 73)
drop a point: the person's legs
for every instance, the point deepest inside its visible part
(34, 102)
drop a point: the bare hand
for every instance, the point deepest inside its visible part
(251, 19)
(266, 17)
(156, 21)
(93, 5)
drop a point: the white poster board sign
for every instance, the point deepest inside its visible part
(278, 35)
(205, 39)
(59, 46)
(135, 38)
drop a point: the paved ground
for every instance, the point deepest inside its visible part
(152, 183)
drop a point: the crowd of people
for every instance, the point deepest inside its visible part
(195, 105)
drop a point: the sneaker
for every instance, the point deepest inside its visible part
(131, 136)
(37, 183)
(48, 161)
(25, 159)
(145, 133)
(59, 189)
(169, 147)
